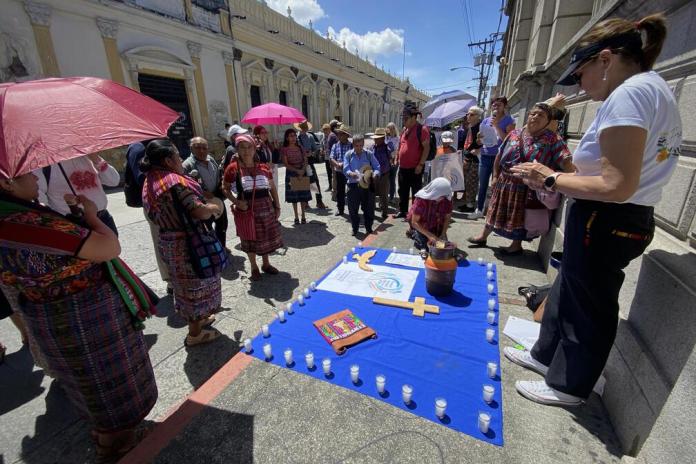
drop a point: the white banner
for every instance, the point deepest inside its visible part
(449, 166)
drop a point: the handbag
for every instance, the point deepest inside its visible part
(244, 219)
(299, 184)
(208, 256)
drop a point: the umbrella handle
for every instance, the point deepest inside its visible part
(66, 179)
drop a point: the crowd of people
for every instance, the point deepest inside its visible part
(59, 248)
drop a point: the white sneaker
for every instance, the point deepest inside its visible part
(539, 392)
(475, 215)
(524, 358)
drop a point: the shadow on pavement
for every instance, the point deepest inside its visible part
(204, 360)
(19, 382)
(236, 264)
(593, 417)
(279, 287)
(214, 435)
(312, 234)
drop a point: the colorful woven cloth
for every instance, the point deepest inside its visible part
(343, 329)
(159, 181)
(194, 298)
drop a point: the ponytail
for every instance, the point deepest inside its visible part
(655, 30)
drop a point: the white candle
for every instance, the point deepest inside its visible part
(355, 373)
(490, 334)
(288, 356)
(313, 286)
(489, 266)
(480, 261)
(247, 345)
(410, 251)
(326, 364)
(267, 351)
(306, 293)
(488, 391)
(490, 275)
(381, 382)
(300, 300)
(394, 249)
(406, 393)
(484, 421)
(289, 308)
(491, 304)
(492, 368)
(281, 316)
(490, 317)
(490, 288)
(359, 244)
(440, 407)
(264, 330)
(309, 359)
(353, 249)
(345, 259)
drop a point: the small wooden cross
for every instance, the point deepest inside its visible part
(418, 306)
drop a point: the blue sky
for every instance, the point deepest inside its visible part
(436, 34)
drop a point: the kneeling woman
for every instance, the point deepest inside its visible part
(176, 204)
(249, 186)
(430, 213)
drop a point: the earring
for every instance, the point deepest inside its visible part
(604, 78)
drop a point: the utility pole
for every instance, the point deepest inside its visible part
(483, 59)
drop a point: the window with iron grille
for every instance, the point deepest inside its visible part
(255, 92)
(283, 98)
(305, 106)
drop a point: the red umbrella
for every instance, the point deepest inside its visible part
(47, 121)
(272, 113)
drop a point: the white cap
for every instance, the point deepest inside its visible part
(236, 129)
(447, 137)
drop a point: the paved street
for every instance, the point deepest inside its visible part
(254, 412)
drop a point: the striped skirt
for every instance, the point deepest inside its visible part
(268, 237)
(194, 298)
(101, 361)
(507, 207)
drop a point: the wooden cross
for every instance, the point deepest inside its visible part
(418, 306)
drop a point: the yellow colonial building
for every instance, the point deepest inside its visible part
(210, 60)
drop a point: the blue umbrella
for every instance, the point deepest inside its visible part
(448, 112)
(444, 97)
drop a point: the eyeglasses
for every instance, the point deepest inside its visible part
(199, 146)
(578, 77)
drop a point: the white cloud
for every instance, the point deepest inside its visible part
(302, 10)
(384, 43)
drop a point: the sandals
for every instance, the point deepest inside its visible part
(118, 449)
(534, 295)
(269, 270)
(255, 275)
(206, 336)
(475, 241)
(304, 220)
(297, 221)
(208, 320)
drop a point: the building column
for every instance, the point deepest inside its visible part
(228, 58)
(195, 52)
(109, 30)
(241, 88)
(40, 17)
(190, 83)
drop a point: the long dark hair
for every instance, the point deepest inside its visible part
(156, 152)
(286, 142)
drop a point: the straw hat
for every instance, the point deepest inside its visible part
(304, 125)
(345, 129)
(380, 133)
(365, 176)
(326, 126)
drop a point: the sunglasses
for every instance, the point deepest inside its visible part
(578, 77)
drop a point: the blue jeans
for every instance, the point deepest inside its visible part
(485, 171)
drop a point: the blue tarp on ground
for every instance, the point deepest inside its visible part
(441, 355)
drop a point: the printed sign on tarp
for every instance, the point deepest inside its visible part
(449, 166)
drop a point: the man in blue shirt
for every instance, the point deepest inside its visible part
(356, 164)
(338, 152)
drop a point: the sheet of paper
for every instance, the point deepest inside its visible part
(383, 281)
(449, 166)
(404, 259)
(522, 331)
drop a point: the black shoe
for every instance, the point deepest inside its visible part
(338, 213)
(384, 216)
(355, 232)
(328, 189)
(368, 231)
(466, 209)
(400, 214)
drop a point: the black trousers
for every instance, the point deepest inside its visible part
(314, 178)
(408, 181)
(220, 225)
(365, 200)
(340, 191)
(329, 172)
(579, 324)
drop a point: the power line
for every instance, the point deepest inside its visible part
(454, 85)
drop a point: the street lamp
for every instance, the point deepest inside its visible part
(463, 67)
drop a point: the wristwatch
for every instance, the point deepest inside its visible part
(550, 181)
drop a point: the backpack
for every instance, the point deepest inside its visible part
(132, 190)
(433, 142)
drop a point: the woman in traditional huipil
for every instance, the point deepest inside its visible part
(295, 161)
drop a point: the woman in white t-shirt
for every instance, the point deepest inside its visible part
(623, 161)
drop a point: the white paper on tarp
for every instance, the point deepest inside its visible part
(522, 331)
(386, 282)
(449, 166)
(526, 333)
(403, 259)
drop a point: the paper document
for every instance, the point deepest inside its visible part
(387, 282)
(522, 331)
(404, 259)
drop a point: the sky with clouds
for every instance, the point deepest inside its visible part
(435, 34)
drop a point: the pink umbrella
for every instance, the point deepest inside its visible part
(272, 113)
(46, 121)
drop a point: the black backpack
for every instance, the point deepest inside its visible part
(433, 142)
(132, 190)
